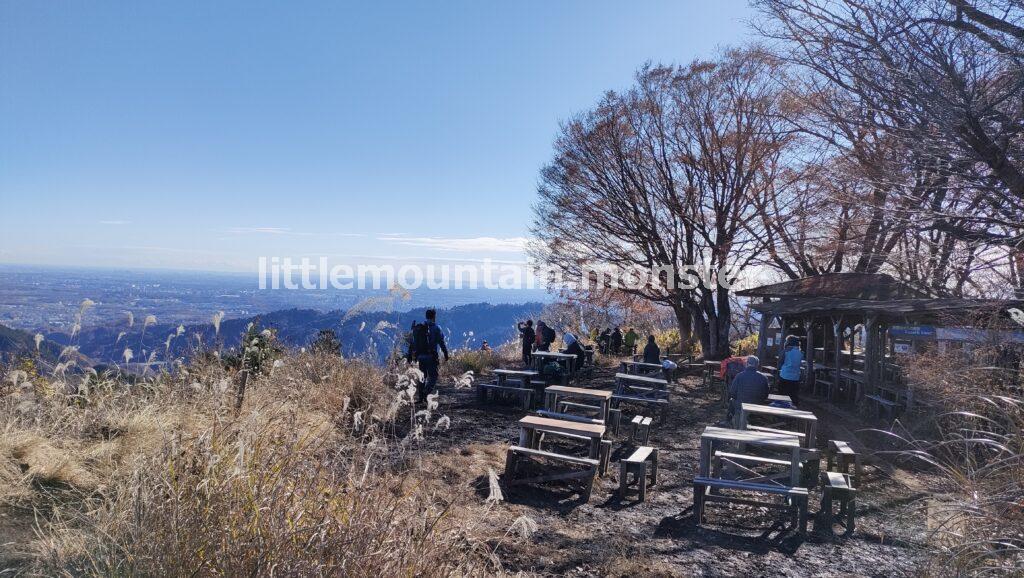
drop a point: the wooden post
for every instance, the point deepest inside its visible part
(762, 336)
(870, 353)
(837, 348)
(809, 355)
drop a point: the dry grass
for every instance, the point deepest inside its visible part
(969, 429)
(316, 474)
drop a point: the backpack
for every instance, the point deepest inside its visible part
(421, 339)
(551, 370)
(549, 335)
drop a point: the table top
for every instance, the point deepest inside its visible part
(554, 354)
(640, 378)
(594, 393)
(779, 397)
(751, 437)
(528, 372)
(643, 364)
(713, 363)
(563, 426)
(778, 411)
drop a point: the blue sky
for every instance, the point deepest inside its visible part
(201, 135)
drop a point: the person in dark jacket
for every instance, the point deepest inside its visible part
(749, 386)
(604, 340)
(545, 336)
(574, 347)
(616, 341)
(528, 336)
(652, 353)
(424, 351)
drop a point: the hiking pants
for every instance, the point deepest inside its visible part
(428, 365)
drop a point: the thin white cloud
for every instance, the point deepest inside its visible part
(467, 244)
(285, 231)
(115, 222)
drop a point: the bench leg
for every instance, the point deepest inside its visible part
(802, 515)
(826, 509)
(654, 467)
(698, 503)
(641, 480)
(851, 518)
(588, 486)
(623, 479)
(511, 464)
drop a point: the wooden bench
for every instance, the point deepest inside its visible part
(605, 453)
(569, 417)
(656, 405)
(640, 429)
(763, 429)
(734, 460)
(636, 464)
(585, 476)
(837, 486)
(844, 456)
(522, 394)
(614, 415)
(880, 404)
(794, 499)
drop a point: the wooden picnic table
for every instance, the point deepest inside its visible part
(553, 392)
(640, 385)
(779, 397)
(804, 419)
(566, 360)
(636, 367)
(715, 436)
(526, 375)
(710, 369)
(531, 425)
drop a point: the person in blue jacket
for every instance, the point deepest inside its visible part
(789, 369)
(424, 342)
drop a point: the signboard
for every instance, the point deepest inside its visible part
(912, 331)
(901, 347)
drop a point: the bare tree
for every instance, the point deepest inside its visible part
(938, 83)
(673, 173)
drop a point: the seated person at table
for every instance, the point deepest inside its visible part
(574, 347)
(652, 353)
(748, 386)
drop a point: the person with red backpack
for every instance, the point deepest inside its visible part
(425, 340)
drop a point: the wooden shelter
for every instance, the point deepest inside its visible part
(853, 326)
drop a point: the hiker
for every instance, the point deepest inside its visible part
(426, 338)
(629, 340)
(616, 341)
(652, 353)
(604, 340)
(749, 386)
(789, 369)
(528, 336)
(574, 347)
(545, 336)
(485, 346)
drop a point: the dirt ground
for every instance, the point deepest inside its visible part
(659, 537)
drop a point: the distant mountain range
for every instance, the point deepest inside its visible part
(17, 343)
(372, 334)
